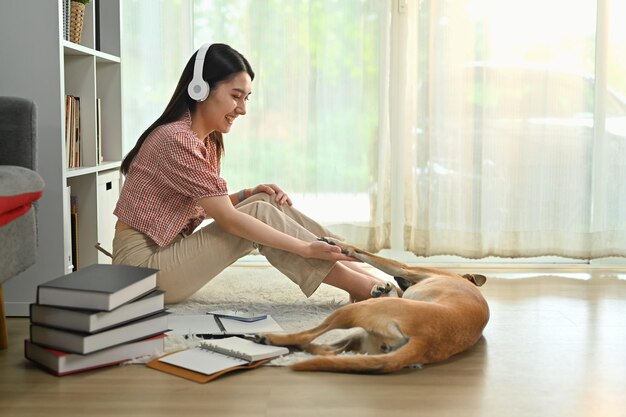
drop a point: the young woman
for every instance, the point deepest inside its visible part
(173, 183)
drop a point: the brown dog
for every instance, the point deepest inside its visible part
(439, 315)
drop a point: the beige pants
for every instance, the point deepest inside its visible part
(188, 263)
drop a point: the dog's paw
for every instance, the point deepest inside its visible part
(385, 289)
(261, 339)
(330, 241)
(345, 248)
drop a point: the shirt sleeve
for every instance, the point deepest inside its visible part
(191, 168)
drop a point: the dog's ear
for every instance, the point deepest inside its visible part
(403, 283)
(477, 279)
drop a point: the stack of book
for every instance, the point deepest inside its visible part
(97, 316)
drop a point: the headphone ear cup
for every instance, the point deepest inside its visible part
(198, 90)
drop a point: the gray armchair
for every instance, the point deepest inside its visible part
(20, 187)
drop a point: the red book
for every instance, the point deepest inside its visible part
(63, 363)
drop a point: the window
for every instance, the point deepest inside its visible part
(474, 127)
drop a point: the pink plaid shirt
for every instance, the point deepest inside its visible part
(171, 171)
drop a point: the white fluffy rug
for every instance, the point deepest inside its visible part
(261, 290)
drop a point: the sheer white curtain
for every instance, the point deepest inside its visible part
(156, 43)
(470, 127)
(504, 157)
(317, 122)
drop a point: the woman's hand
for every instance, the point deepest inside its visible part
(322, 250)
(272, 189)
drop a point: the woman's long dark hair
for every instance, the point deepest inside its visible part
(220, 64)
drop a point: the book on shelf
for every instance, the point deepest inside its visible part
(72, 131)
(99, 156)
(97, 27)
(77, 140)
(66, 19)
(61, 363)
(68, 131)
(85, 343)
(74, 230)
(214, 358)
(90, 321)
(67, 232)
(209, 325)
(101, 287)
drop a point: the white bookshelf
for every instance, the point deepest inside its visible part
(43, 66)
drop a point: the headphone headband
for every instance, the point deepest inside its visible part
(198, 89)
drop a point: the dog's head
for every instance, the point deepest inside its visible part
(404, 283)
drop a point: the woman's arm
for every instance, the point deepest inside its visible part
(243, 225)
(234, 198)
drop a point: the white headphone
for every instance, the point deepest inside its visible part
(198, 89)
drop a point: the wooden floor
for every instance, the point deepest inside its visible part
(555, 346)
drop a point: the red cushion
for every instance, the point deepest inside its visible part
(12, 207)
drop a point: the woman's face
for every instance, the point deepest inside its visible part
(225, 103)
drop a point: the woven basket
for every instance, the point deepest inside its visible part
(77, 12)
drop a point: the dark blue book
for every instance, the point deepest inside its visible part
(85, 343)
(100, 287)
(90, 321)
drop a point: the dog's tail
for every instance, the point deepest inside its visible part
(409, 354)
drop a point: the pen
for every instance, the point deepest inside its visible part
(251, 337)
(219, 323)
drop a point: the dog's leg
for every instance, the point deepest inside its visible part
(376, 333)
(343, 318)
(388, 266)
(411, 354)
(351, 343)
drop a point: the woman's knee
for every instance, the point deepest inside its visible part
(262, 210)
(263, 197)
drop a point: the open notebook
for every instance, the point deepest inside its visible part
(217, 357)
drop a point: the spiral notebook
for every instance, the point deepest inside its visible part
(217, 357)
